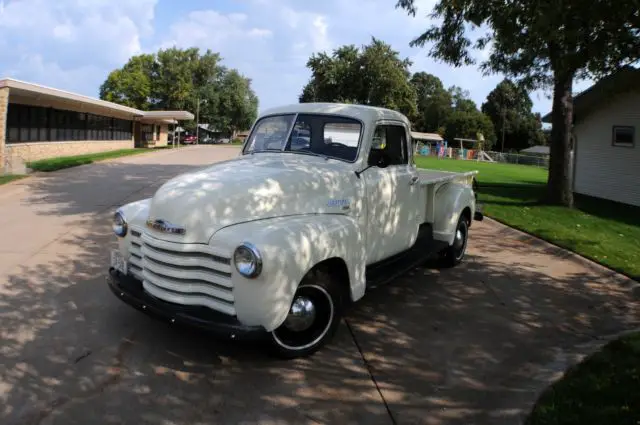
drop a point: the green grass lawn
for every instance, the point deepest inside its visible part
(603, 389)
(62, 162)
(488, 172)
(603, 231)
(9, 178)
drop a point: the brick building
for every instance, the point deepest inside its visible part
(38, 122)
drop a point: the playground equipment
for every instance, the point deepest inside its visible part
(462, 148)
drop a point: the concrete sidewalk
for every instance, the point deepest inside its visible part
(474, 344)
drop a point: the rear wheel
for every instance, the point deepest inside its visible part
(313, 317)
(454, 253)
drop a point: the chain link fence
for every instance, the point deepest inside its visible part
(487, 156)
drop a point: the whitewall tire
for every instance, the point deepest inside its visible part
(313, 318)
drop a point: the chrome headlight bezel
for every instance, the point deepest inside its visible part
(119, 226)
(249, 269)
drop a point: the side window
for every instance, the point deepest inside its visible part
(390, 141)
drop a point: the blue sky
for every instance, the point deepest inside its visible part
(73, 44)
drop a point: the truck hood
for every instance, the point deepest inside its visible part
(251, 187)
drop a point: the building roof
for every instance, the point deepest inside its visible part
(22, 88)
(536, 149)
(361, 112)
(624, 80)
(426, 136)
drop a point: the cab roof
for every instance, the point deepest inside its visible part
(365, 113)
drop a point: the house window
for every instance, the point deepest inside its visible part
(623, 136)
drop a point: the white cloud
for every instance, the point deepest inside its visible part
(73, 44)
(51, 40)
(296, 30)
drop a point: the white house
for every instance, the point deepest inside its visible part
(606, 147)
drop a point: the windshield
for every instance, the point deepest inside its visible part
(326, 135)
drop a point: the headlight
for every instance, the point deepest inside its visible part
(119, 224)
(247, 260)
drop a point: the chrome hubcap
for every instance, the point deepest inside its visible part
(301, 315)
(309, 319)
(460, 241)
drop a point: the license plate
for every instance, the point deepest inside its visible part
(118, 262)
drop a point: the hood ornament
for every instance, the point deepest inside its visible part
(165, 227)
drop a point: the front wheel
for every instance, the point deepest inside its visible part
(454, 253)
(313, 317)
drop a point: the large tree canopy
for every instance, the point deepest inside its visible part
(374, 75)
(449, 112)
(181, 79)
(433, 101)
(509, 107)
(541, 44)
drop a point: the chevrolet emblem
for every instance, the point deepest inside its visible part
(165, 227)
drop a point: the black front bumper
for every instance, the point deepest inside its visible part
(130, 290)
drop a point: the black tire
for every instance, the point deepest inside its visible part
(454, 253)
(320, 288)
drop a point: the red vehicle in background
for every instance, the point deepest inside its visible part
(188, 139)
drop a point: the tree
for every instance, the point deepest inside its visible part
(237, 105)
(433, 102)
(541, 44)
(131, 85)
(461, 100)
(373, 75)
(509, 107)
(467, 124)
(176, 78)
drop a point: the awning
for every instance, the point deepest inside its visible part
(37, 95)
(431, 137)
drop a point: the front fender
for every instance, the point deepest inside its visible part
(450, 201)
(290, 247)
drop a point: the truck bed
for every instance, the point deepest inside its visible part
(428, 177)
(430, 181)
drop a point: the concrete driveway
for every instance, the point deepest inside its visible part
(470, 345)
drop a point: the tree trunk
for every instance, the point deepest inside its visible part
(559, 183)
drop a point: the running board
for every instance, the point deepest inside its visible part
(385, 271)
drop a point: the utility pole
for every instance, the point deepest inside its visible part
(503, 119)
(198, 120)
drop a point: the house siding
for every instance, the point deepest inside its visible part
(601, 169)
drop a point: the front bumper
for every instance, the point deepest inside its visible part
(130, 290)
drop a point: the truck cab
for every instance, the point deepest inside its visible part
(323, 202)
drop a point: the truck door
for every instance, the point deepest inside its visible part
(392, 194)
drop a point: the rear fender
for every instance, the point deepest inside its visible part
(451, 199)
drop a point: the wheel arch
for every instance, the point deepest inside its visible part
(337, 268)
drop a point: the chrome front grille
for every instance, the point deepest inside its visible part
(188, 274)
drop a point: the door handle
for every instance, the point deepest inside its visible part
(414, 180)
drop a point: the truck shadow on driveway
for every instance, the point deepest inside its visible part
(472, 344)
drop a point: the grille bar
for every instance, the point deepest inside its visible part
(188, 274)
(188, 299)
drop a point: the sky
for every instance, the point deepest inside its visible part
(74, 44)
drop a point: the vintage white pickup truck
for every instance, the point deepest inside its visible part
(323, 202)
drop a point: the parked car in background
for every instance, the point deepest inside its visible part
(188, 139)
